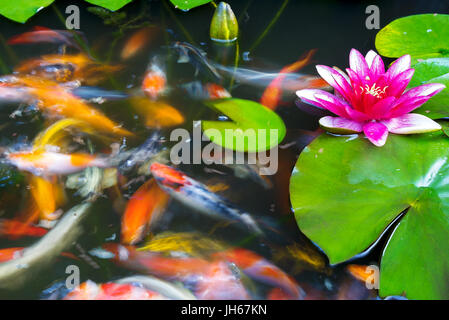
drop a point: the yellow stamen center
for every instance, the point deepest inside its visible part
(374, 90)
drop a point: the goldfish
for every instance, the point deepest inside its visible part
(44, 35)
(136, 43)
(157, 114)
(44, 163)
(89, 290)
(14, 229)
(273, 92)
(61, 102)
(261, 269)
(197, 196)
(143, 209)
(154, 82)
(219, 283)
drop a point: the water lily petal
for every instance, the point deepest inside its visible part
(336, 80)
(340, 125)
(398, 84)
(375, 63)
(376, 132)
(382, 107)
(358, 64)
(400, 65)
(414, 98)
(323, 99)
(411, 123)
(356, 115)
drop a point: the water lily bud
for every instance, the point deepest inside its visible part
(224, 26)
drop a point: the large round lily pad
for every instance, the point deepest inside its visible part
(345, 192)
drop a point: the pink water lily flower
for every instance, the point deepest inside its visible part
(371, 100)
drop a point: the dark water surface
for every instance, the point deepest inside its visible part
(331, 27)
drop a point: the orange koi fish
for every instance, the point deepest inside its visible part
(89, 290)
(360, 272)
(44, 35)
(143, 209)
(136, 43)
(273, 92)
(59, 101)
(48, 196)
(52, 163)
(14, 229)
(219, 283)
(216, 91)
(261, 269)
(157, 114)
(154, 82)
(155, 263)
(10, 253)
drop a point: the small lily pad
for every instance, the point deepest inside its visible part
(249, 119)
(346, 192)
(112, 5)
(22, 10)
(188, 4)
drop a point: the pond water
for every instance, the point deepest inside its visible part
(330, 27)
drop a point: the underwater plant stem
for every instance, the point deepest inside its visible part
(10, 52)
(270, 25)
(236, 64)
(183, 30)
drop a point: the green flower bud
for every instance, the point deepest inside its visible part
(224, 26)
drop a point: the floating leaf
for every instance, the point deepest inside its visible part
(247, 117)
(421, 36)
(345, 193)
(112, 5)
(188, 4)
(22, 10)
(433, 70)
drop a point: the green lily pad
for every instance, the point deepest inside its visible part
(345, 193)
(421, 36)
(433, 70)
(112, 5)
(188, 4)
(249, 118)
(22, 10)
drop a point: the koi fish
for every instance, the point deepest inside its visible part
(189, 53)
(209, 91)
(10, 253)
(260, 79)
(14, 229)
(67, 67)
(48, 196)
(52, 163)
(89, 290)
(278, 294)
(197, 196)
(361, 272)
(143, 209)
(273, 92)
(181, 269)
(154, 82)
(136, 43)
(157, 114)
(45, 35)
(59, 101)
(261, 269)
(219, 283)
